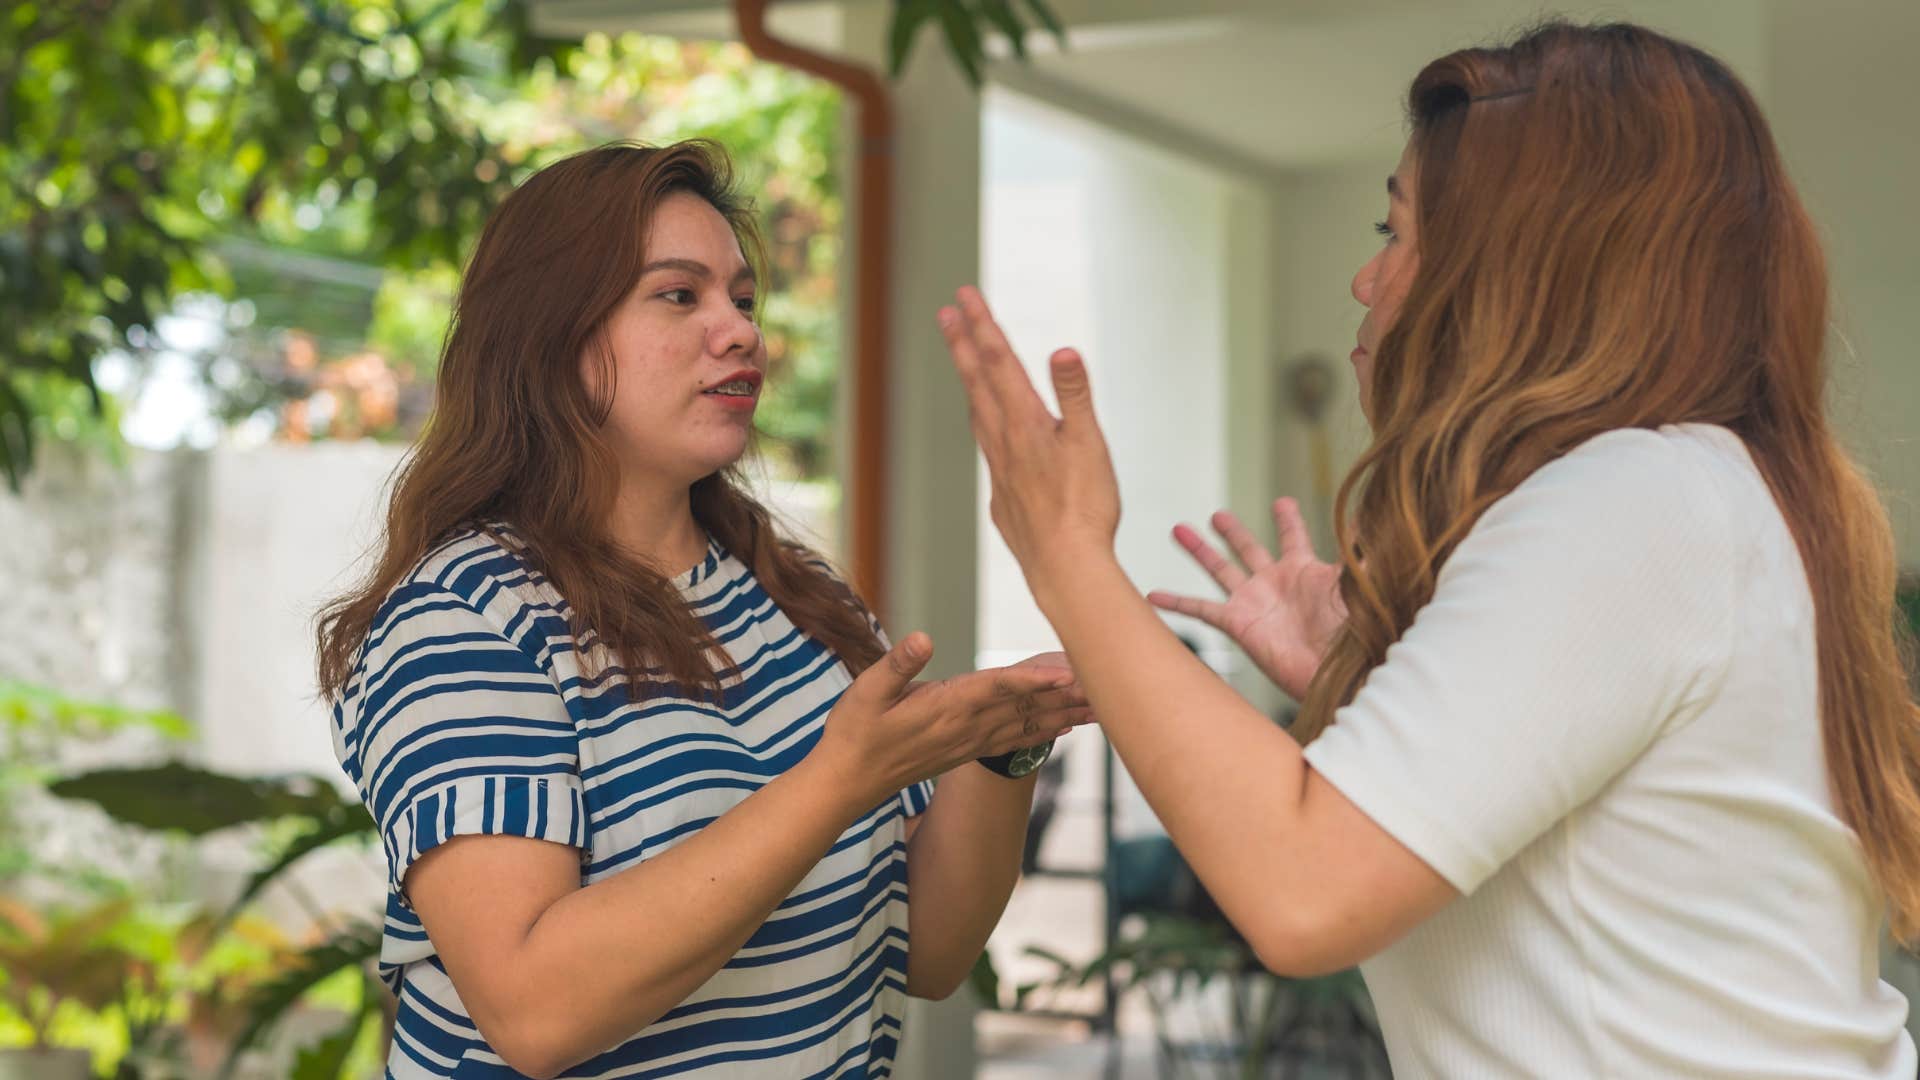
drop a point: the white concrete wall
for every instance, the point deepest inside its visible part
(936, 243)
(280, 531)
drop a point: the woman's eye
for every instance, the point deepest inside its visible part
(745, 304)
(678, 296)
(1384, 230)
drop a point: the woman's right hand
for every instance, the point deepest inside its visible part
(1282, 611)
(887, 731)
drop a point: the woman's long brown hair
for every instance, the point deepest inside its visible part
(515, 433)
(1608, 239)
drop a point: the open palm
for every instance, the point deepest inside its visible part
(1283, 611)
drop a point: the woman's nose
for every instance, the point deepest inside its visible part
(1363, 282)
(735, 330)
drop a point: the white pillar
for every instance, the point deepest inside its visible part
(932, 563)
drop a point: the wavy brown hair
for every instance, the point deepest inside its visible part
(515, 433)
(1608, 239)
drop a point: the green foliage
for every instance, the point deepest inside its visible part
(181, 798)
(352, 948)
(133, 135)
(298, 154)
(29, 710)
(33, 721)
(963, 23)
(195, 801)
(57, 957)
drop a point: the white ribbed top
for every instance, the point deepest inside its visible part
(1604, 731)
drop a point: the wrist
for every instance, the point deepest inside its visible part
(1072, 573)
(852, 786)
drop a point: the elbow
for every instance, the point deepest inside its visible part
(531, 1052)
(934, 985)
(536, 1042)
(931, 989)
(1300, 946)
(541, 1034)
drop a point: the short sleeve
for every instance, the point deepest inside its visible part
(459, 732)
(917, 798)
(1585, 612)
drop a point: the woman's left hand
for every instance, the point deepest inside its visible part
(1055, 499)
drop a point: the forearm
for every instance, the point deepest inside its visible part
(962, 864)
(1224, 779)
(607, 960)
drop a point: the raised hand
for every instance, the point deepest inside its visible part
(1283, 611)
(1055, 499)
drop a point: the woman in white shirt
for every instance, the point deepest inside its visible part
(1610, 763)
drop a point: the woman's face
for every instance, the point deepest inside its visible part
(1381, 285)
(688, 359)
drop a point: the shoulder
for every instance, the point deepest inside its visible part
(1630, 490)
(1673, 467)
(1639, 524)
(472, 582)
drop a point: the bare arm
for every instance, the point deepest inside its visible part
(963, 859)
(1311, 881)
(553, 973)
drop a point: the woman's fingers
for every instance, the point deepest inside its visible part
(983, 410)
(1224, 573)
(890, 678)
(1245, 545)
(1073, 390)
(1295, 541)
(1211, 612)
(1034, 712)
(997, 365)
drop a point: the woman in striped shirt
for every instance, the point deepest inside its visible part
(655, 793)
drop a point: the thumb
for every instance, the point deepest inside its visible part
(1074, 391)
(888, 678)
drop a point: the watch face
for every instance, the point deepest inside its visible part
(1023, 762)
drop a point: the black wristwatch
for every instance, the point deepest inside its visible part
(1018, 763)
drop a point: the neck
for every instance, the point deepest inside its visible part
(654, 521)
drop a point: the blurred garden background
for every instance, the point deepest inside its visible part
(229, 238)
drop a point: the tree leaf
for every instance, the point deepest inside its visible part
(268, 1004)
(327, 1059)
(908, 15)
(1000, 12)
(196, 801)
(348, 821)
(963, 38)
(985, 980)
(1043, 12)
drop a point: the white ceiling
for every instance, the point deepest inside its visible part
(1272, 85)
(1299, 85)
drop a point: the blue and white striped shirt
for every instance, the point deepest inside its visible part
(469, 713)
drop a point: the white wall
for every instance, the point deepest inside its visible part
(1841, 102)
(1095, 241)
(280, 529)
